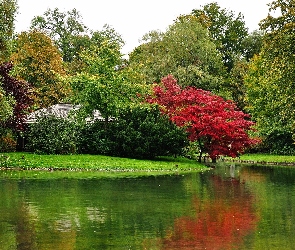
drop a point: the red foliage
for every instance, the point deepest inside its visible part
(217, 124)
(22, 93)
(221, 223)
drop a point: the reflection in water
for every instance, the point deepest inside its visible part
(226, 208)
(219, 222)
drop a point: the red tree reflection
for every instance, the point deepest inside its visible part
(220, 223)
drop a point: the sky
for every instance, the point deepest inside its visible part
(134, 18)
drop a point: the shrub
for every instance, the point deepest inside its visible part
(92, 139)
(280, 143)
(7, 141)
(52, 135)
(138, 132)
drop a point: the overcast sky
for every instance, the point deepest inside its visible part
(134, 18)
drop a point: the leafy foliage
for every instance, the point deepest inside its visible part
(252, 44)
(62, 27)
(21, 92)
(6, 104)
(236, 83)
(216, 124)
(184, 50)
(7, 140)
(52, 135)
(227, 30)
(139, 132)
(39, 62)
(269, 82)
(105, 84)
(8, 10)
(87, 42)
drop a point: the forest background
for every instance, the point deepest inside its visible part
(59, 60)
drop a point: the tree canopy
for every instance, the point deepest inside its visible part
(227, 30)
(39, 62)
(270, 80)
(185, 50)
(64, 28)
(105, 83)
(89, 41)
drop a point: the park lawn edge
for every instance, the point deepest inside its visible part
(105, 165)
(263, 159)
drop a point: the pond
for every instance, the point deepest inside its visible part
(229, 207)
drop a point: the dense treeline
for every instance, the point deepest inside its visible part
(59, 60)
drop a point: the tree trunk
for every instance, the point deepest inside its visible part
(201, 151)
(106, 122)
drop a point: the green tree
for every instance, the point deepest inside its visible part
(86, 42)
(236, 84)
(270, 80)
(105, 83)
(227, 30)
(64, 28)
(252, 44)
(8, 10)
(185, 50)
(39, 62)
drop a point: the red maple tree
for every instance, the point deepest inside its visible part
(216, 124)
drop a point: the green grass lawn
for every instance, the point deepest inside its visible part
(267, 158)
(87, 166)
(97, 163)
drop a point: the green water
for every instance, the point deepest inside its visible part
(226, 208)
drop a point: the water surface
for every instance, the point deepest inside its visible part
(230, 207)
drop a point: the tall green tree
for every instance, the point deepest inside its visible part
(64, 28)
(105, 83)
(237, 46)
(252, 44)
(94, 39)
(227, 30)
(185, 50)
(270, 80)
(8, 10)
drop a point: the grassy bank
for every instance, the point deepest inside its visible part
(97, 163)
(265, 158)
(84, 166)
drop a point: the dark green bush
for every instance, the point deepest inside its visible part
(281, 143)
(139, 132)
(52, 135)
(93, 139)
(277, 143)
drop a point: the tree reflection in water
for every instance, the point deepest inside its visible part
(218, 223)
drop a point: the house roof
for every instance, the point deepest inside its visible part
(61, 111)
